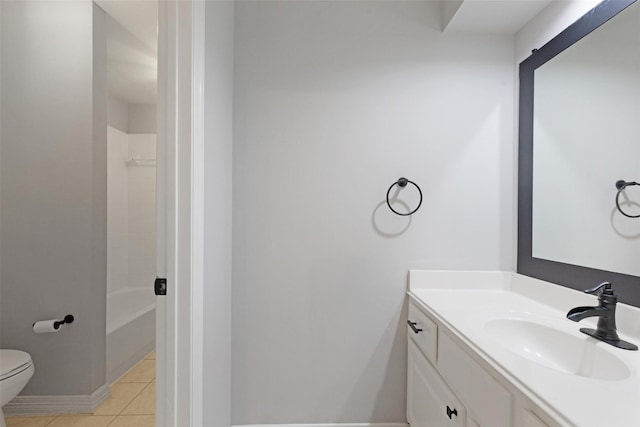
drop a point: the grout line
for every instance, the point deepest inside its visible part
(129, 404)
(132, 368)
(131, 401)
(55, 417)
(125, 416)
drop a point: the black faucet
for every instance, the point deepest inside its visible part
(606, 312)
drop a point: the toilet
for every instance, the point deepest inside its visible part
(16, 369)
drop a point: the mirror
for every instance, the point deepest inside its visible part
(579, 134)
(586, 136)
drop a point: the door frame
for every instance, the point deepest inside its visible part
(180, 213)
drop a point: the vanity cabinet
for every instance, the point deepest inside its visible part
(447, 386)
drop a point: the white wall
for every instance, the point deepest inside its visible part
(131, 118)
(117, 114)
(54, 190)
(334, 101)
(219, 16)
(142, 118)
(553, 19)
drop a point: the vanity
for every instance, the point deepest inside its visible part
(495, 349)
(505, 349)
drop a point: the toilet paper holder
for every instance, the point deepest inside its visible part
(67, 319)
(57, 323)
(52, 325)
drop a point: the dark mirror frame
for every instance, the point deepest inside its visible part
(572, 276)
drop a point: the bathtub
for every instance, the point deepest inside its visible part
(131, 330)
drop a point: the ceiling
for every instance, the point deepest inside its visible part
(492, 16)
(132, 33)
(132, 36)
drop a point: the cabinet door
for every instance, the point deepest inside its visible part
(430, 403)
(485, 397)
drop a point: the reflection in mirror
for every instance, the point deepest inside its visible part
(586, 136)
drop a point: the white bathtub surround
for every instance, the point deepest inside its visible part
(464, 302)
(126, 305)
(131, 242)
(142, 213)
(131, 329)
(117, 209)
(131, 247)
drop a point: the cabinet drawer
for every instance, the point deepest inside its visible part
(425, 334)
(484, 396)
(430, 403)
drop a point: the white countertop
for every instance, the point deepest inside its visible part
(464, 301)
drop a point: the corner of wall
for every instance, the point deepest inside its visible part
(547, 24)
(98, 289)
(448, 9)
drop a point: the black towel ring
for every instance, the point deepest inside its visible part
(621, 185)
(402, 182)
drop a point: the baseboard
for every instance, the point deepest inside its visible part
(99, 396)
(48, 405)
(327, 425)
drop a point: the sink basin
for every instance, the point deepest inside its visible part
(556, 349)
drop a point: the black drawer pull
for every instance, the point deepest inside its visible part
(412, 325)
(451, 412)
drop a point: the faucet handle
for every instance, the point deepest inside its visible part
(606, 296)
(605, 285)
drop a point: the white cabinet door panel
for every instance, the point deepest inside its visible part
(430, 403)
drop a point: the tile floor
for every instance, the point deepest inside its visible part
(132, 404)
